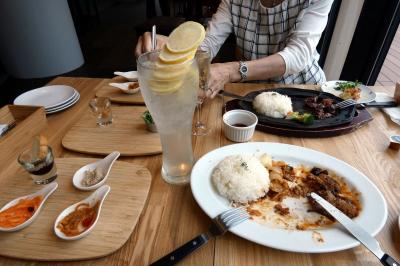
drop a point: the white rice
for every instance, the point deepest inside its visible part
(272, 104)
(241, 178)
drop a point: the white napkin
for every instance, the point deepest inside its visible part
(392, 112)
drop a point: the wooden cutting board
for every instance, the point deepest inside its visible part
(127, 134)
(117, 96)
(129, 184)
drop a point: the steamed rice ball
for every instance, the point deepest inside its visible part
(241, 178)
(272, 104)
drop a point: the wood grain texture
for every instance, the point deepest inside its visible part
(127, 134)
(117, 96)
(30, 121)
(118, 217)
(171, 216)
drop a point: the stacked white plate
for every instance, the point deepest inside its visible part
(53, 98)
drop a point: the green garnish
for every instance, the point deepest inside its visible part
(342, 85)
(305, 118)
(147, 118)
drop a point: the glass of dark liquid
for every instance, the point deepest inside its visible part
(39, 164)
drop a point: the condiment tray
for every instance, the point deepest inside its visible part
(44, 192)
(98, 196)
(102, 166)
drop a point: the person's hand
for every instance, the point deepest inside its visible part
(144, 43)
(220, 74)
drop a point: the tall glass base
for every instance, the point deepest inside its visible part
(170, 94)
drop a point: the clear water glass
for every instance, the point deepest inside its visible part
(204, 61)
(172, 110)
(101, 108)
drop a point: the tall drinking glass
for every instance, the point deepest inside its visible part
(203, 61)
(170, 94)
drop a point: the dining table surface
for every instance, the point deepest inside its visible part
(171, 216)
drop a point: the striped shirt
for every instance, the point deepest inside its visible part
(291, 29)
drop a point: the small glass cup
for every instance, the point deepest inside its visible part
(41, 167)
(101, 108)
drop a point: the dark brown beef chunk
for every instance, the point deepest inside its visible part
(346, 206)
(322, 182)
(288, 173)
(278, 208)
(327, 102)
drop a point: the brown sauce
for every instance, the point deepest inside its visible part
(239, 125)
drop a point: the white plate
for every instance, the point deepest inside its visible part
(64, 106)
(367, 95)
(372, 217)
(48, 96)
(73, 99)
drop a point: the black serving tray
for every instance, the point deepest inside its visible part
(343, 116)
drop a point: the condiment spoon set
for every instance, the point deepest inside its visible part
(97, 197)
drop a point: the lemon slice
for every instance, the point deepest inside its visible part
(170, 71)
(165, 86)
(186, 37)
(174, 58)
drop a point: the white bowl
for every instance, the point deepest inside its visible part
(236, 133)
(44, 192)
(99, 195)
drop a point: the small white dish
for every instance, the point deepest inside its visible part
(130, 75)
(99, 195)
(48, 96)
(44, 192)
(366, 95)
(124, 87)
(239, 125)
(104, 166)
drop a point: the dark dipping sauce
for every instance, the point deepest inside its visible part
(44, 170)
(239, 125)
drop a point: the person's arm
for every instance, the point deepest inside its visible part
(219, 28)
(293, 58)
(304, 39)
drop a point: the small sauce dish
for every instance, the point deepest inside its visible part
(44, 192)
(239, 125)
(96, 197)
(103, 167)
(130, 75)
(127, 87)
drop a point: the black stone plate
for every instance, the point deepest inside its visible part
(298, 96)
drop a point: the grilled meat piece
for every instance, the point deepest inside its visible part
(278, 208)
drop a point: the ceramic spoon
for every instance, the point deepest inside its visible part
(103, 166)
(125, 87)
(99, 195)
(130, 75)
(44, 192)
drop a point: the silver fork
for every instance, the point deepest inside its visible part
(221, 224)
(345, 103)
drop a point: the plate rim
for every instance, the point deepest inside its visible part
(70, 101)
(240, 230)
(64, 107)
(33, 91)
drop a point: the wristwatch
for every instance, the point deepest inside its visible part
(243, 70)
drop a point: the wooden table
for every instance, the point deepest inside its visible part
(172, 217)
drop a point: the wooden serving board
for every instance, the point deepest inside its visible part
(129, 184)
(361, 118)
(127, 134)
(117, 96)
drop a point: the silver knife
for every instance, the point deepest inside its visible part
(357, 231)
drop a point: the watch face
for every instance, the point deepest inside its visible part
(244, 68)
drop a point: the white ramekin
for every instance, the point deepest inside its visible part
(239, 134)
